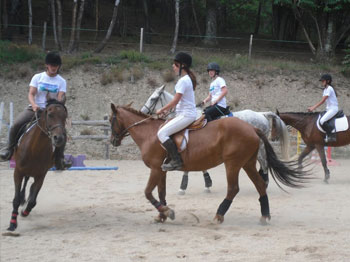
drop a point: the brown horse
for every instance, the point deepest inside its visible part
(230, 141)
(35, 156)
(305, 123)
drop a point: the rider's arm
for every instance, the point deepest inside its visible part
(223, 94)
(208, 98)
(31, 98)
(171, 104)
(312, 108)
(61, 97)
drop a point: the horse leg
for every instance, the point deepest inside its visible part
(16, 201)
(34, 191)
(322, 155)
(23, 191)
(303, 154)
(156, 179)
(263, 171)
(232, 171)
(184, 183)
(259, 184)
(207, 181)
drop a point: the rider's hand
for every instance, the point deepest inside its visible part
(35, 107)
(310, 109)
(200, 104)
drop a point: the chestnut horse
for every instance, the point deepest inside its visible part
(34, 156)
(229, 140)
(305, 123)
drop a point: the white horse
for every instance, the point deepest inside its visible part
(260, 120)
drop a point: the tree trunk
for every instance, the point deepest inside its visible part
(110, 29)
(80, 17)
(96, 18)
(53, 12)
(72, 33)
(210, 33)
(195, 18)
(177, 21)
(257, 21)
(59, 24)
(30, 28)
(147, 22)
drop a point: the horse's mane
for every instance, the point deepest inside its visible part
(53, 101)
(302, 113)
(137, 112)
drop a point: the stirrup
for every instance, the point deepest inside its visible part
(172, 165)
(6, 155)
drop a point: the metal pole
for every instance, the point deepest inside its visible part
(11, 114)
(250, 46)
(1, 113)
(107, 142)
(141, 41)
(44, 37)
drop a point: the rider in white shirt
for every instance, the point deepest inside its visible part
(217, 94)
(184, 101)
(330, 97)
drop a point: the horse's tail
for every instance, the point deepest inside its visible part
(287, 173)
(283, 134)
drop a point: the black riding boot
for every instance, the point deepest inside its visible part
(330, 137)
(60, 162)
(175, 162)
(7, 154)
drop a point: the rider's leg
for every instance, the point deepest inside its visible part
(60, 162)
(213, 112)
(178, 123)
(15, 132)
(327, 116)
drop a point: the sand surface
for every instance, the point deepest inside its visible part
(104, 216)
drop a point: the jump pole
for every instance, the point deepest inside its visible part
(330, 161)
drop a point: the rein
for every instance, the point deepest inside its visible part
(154, 104)
(125, 131)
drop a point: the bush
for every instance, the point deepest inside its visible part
(11, 53)
(134, 56)
(346, 63)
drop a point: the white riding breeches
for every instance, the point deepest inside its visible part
(328, 115)
(178, 123)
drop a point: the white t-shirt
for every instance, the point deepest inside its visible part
(215, 90)
(187, 103)
(332, 101)
(47, 87)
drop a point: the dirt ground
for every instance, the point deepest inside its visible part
(104, 216)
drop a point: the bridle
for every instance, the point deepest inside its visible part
(124, 132)
(154, 104)
(48, 131)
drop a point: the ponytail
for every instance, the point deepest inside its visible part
(192, 76)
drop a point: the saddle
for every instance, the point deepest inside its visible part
(181, 138)
(337, 123)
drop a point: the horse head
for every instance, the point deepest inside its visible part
(53, 120)
(151, 104)
(117, 133)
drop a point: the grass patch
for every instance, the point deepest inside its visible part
(12, 53)
(133, 56)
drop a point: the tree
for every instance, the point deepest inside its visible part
(210, 32)
(329, 20)
(110, 29)
(177, 21)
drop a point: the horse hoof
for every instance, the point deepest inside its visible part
(24, 213)
(10, 234)
(12, 227)
(219, 219)
(207, 190)
(170, 213)
(161, 218)
(263, 220)
(181, 192)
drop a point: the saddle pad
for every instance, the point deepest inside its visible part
(341, 124)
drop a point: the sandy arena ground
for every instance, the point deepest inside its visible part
(104, 216)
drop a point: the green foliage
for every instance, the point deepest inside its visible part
(11, 53)
(133, 56)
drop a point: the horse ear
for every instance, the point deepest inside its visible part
(113, 108)
(277, 112)
(162, 87)
(129, 105)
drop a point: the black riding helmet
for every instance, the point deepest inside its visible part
(53, 58)
(213, 66)
(184, 59)
(326, 77)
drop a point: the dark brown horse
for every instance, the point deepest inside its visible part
(305, 123)
(35, 156)
(230, 141)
